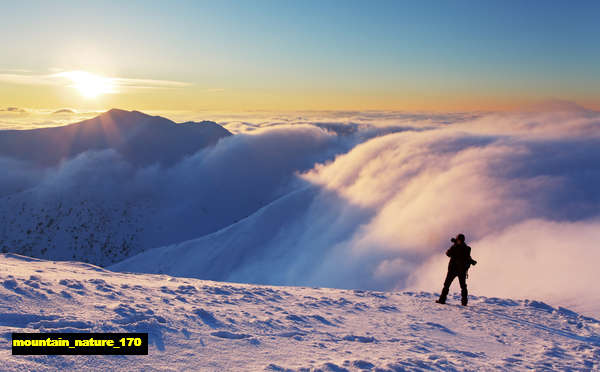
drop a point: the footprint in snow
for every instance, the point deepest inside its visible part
(440, 327)
(22, 320)
(72, 283)
(208, 318)
(13, 285)
(230, 335)
(363, 339)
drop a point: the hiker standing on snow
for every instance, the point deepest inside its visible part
(460, 261)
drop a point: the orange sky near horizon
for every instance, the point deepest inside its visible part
(191, 97)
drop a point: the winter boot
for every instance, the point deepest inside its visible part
(464, 298)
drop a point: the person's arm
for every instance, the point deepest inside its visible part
(471, 260)
(450, 252)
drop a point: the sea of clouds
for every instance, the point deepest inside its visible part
(524, 188)
(386, 192)
(18, 118)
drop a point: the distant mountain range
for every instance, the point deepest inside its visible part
(139, 138)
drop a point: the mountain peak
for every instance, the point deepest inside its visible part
(120, 113)
(140, 138)
(116, 111)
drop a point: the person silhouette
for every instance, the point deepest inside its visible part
(460, 261)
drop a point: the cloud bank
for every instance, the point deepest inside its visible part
(27, 118)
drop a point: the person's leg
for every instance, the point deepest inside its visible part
(462, 279)
(449, 278)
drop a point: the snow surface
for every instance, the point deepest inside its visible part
(210, 326)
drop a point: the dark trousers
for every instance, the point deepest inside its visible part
(462, 279)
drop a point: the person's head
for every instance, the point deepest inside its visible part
(460, 238)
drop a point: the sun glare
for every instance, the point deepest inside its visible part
(88, 84)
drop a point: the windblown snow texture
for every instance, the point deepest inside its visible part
(203, 325)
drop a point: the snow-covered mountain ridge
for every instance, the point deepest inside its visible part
(210, 326)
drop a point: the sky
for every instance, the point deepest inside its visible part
(298, 55)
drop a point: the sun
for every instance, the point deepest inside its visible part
(89, 85)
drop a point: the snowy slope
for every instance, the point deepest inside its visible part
(209, 326)
(248, 249)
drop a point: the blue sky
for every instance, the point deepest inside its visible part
(343, 52)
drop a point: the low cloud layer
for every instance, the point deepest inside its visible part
(28, 118)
